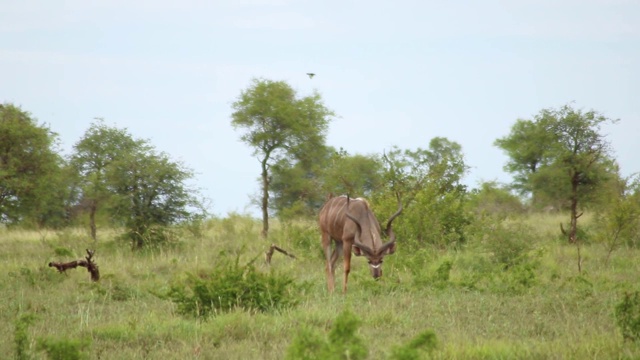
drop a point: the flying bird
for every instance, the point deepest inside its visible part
(311, 75)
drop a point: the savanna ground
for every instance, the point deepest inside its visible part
(512, 291)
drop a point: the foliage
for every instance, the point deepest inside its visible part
(280, 126)
(427, 341)
(150, 192)
(300, 190)
(21, 336)
(229, 286)
(560, 157)
(342, 342)
(99, 148)
(433, 196)
(492, 198)
(64, 349)
(32, 179)
(627, 313)
(618, 223)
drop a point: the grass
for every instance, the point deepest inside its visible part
(540, 309)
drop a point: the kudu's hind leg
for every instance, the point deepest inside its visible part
(347, 265)
(337, 251)
(326, 246)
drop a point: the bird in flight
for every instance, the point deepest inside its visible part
(311, 75)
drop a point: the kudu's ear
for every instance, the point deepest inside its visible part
(388, 248)
(391, 249)
(358, 249)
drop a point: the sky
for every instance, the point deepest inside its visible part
(396, 73)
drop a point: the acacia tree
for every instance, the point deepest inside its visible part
(149, 193)
(32, 181)
(278, 124)
(526, 146)
(572, 154)
(98, 149)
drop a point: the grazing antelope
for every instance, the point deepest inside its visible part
(351, 224)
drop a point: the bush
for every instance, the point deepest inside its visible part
(342, 342)
(64, 349)
(21, 336)
(231, 286)
(627, 314)
(426, 341)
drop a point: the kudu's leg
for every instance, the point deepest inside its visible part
(326, 246)
(334, 257)
(346, 245)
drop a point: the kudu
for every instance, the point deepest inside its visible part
(351, 224)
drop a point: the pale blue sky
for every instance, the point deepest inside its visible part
(397, 73)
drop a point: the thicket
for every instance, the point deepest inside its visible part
(229, 286)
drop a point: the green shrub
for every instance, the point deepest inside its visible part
(62, 251)
(231, 286)
(341, 344)
(21, 336)
(64, 349)
(627, 314)
(436, 277)
(509, 244)
(425, 341)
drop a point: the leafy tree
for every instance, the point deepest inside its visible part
(278, 125)
(432, 193)
(32, 180)
(527, 147)
(563, 155)
(149, 193)
(98, 149)
(353, 174)
(300, 189)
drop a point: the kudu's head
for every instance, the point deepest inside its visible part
(369, 233)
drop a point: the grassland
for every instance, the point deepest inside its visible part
(529, 304)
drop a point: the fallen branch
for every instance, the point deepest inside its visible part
(273, 248)
(88, 263)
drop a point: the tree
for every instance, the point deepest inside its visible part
(429, 181)
(279, 125)
(98, 149)
(32, 183)
(526, 147)
(575, 163)
(357, 174)
(150, 193)
(301, 188)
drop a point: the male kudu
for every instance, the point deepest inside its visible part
(351, 224)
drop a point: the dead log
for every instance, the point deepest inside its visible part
(87, 263)
(269, 253)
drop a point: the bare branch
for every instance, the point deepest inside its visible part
(88, 263)
(269, 253)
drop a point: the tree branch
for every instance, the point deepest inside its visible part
(87, 262)
(269, 253)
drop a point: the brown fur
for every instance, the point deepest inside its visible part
(352, 226)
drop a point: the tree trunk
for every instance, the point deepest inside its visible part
(92, 218)
(573, 228)
(265, 199)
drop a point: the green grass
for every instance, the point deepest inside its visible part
(480, 311)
